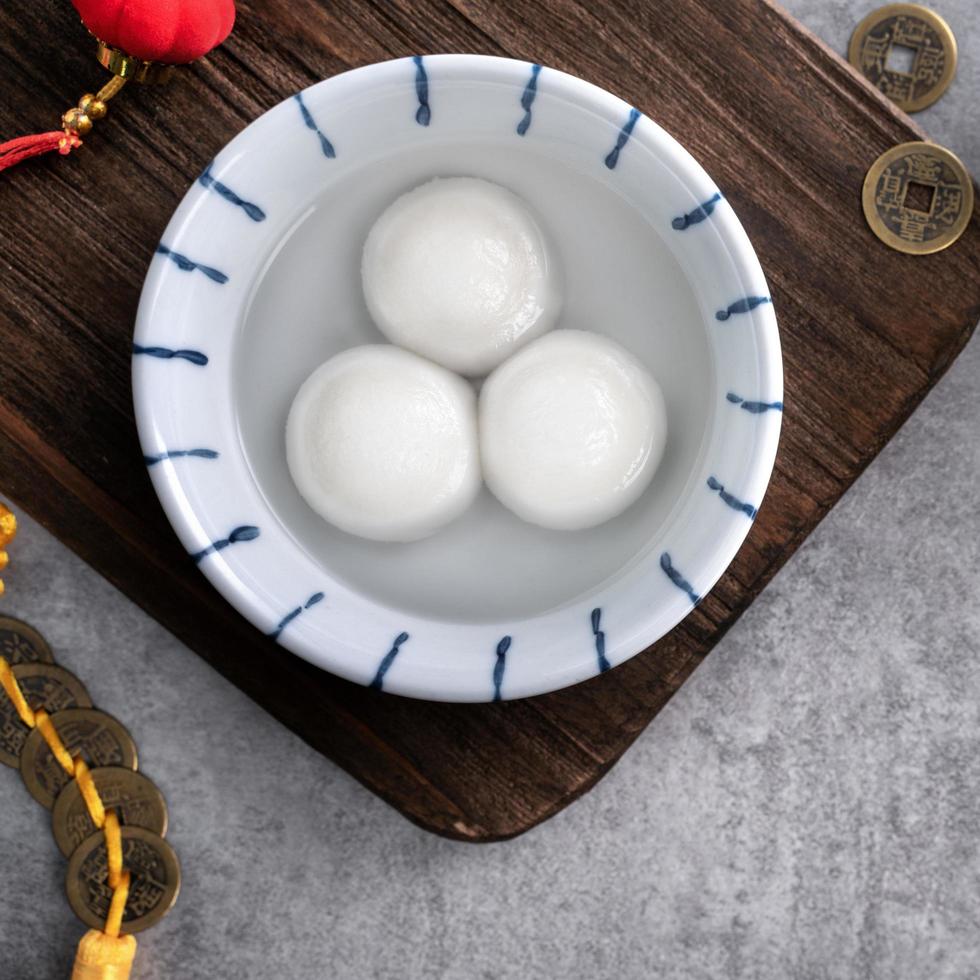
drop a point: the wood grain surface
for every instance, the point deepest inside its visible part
(783, 125)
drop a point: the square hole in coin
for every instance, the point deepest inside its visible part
(900, 59)
(919, 197)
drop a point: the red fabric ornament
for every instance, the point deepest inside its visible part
(138, 39)
(169, 31)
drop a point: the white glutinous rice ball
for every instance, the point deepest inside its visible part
(383, 444)
(572, 429)
(458, 271)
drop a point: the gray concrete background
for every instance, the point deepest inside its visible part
(807, 808)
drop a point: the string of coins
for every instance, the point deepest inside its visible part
(108, 819)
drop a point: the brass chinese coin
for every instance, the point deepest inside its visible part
(918, 198)
(907, 52)
(153, 885)
(44, 686)
(137, 801)
(97, 737)
(20, 643)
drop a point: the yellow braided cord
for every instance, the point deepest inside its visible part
(102, 957)
(8, 529)
(15, 694)
(50, 734)
(8, 525)
(86, 785)
(113, 845)
(113, 921)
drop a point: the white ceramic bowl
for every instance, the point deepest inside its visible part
(257, 281)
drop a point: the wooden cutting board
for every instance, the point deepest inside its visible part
(782, 124)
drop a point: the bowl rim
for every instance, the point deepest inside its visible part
(238, 573)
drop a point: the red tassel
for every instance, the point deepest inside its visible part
(24, 147)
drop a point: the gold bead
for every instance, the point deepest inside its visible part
(76, 121)
(92, 107)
